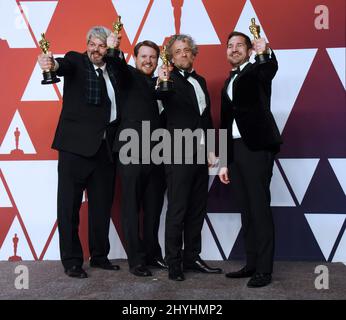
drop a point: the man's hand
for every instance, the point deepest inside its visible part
(46, 61)
(259, 45)
(223, 175)
(113, 40)
(164, 72)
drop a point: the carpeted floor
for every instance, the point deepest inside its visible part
(291, 280)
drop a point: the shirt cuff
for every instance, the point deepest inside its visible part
(269, 51)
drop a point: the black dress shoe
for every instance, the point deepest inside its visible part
(200, 266)
(158, 263)
(175, 273)
(106, 265)
(242, 273)
(259, 280)
(141, 271)
(76, 272)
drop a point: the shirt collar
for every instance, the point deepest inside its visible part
(182, 71)
(242, 66)
(103, 68)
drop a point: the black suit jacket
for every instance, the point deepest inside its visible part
(181, 106)
(138, 104)
(250, 107)
(81, 124)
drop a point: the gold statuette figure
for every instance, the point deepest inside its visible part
(44, 44)
(49, 76)
(117, 27)
(165, 84)
(255, 31)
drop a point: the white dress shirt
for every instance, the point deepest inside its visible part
(202, 104)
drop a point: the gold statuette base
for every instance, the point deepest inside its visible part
(262, 58)
(166, 85)
(49, 77)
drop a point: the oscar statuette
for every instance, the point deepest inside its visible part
(49, 76)
(255, 31)
(117, 27)
(165, 84)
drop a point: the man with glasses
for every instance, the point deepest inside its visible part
(84, 138)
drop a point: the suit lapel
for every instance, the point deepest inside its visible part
(228, 80)
(205, 91)
(241, 74)
(224, 89)
(191, 97)
(112, 75)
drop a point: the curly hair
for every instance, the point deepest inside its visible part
(184, 38)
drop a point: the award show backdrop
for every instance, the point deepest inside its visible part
(308, 102)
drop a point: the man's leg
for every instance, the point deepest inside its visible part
(152, 208)
(131, 189)
(72, 173)
(196, 213)
(179, 182)
(100, 189)
(256, 171)
(242, 201)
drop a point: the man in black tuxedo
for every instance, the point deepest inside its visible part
(84, 137)
(253, 141)
(142, 181)
(187, 107)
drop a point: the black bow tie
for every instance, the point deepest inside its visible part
(233, 73)
(189, 74)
